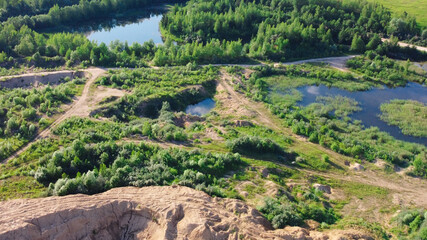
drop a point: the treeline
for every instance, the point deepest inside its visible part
(76, 48)
(213, 51)
(285, 29)
(81, 11)
(309, 30)
(12, 8)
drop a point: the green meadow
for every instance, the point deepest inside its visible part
(417, 8)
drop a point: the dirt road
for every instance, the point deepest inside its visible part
(402, 44)
(336, 62)
(78, 108)
(2, 78)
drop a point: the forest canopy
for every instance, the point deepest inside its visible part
(285, 29)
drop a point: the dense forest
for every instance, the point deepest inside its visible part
(286, 29)
(12, 8)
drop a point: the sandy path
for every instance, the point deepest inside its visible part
(402, 44)
(79, 108)
(240, 100)
(336, 62)
(34, 74)
(408, 190)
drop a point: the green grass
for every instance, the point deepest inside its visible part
(417, 8)
(21, 187)
(309, 74)
(358, 223)
(360, 190)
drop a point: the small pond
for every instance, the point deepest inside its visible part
(201, 108)
(143, 30)
(370, 102)
(138, 25)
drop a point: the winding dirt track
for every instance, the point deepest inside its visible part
(78, 108)
(336, 62)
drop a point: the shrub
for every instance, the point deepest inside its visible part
(280, 215)
(251, 144)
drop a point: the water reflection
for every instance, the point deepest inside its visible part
(139, 25)
(201, 108)
(370, 102)
(141, 31)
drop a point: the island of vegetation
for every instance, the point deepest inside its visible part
(410, 116)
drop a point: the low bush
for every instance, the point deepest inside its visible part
(411, 224)
(251, 144)
(289, 210)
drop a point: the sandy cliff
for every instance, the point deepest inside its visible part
(144, 213)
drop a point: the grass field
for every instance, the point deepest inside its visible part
(417, 8)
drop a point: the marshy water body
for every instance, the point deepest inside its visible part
(370, 102)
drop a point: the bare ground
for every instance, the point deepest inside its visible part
(336, 62)
(402, 44)
(172, 212)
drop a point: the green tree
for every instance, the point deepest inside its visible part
(420, 167)
(424, 34)
(374, 42)
(357, 44)
(26, 46)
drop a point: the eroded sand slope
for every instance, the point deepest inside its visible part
(143, 213)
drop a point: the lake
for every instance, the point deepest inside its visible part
(201, 108)
(370, 102)
(138, 25)
(143, 30)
